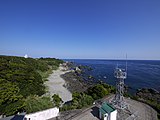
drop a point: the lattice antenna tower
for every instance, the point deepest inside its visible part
(120, 75)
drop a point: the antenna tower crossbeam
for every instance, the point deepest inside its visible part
(120, 74)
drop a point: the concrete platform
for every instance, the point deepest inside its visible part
(138, 111)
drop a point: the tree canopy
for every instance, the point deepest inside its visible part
(22, 77)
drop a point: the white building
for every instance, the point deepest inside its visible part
(107, 112)
(26, 56)
(40, 115)
(43, 115)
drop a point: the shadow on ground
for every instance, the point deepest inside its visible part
(18, 117)
(95, 112)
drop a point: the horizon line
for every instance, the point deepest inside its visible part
(84, 58)
(107, 59)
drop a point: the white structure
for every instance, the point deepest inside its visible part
(43, 115)
(26, 56)
(118, 101)
(107, 112)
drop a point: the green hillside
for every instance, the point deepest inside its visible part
(21, 78)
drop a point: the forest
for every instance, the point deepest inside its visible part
(22, 83)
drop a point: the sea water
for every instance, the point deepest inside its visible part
(140, 73)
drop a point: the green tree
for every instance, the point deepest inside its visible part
(20, 78)
(81, 100)
(57, 101)
(10, 99)
(98, 91)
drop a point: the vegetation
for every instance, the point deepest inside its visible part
(79, 101)
(87, 98)
(21, 79)
(57, 101)
(100, 90)
(34, 103)
(10, 101)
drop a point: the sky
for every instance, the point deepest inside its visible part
(81, 29)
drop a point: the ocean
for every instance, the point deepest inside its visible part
(140, 73)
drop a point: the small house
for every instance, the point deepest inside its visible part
(107, 112)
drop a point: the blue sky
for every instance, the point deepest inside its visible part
(103, 29)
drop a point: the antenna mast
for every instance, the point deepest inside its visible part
(120, 75)
(126, 63)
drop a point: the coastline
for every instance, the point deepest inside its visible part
(74, 82)
(56, 85)
(64, 83)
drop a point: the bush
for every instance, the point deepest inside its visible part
(81, 100)
(98, 91)
(35, 103)
(57, 101)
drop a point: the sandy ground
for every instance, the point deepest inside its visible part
(55, 85)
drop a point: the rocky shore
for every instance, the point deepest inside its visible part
(148, 94)
(74, 82)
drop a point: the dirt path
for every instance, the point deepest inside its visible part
(56, 85)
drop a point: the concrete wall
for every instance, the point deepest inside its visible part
(113, 115)
(43, 115)
(100, 115)
(106, 116)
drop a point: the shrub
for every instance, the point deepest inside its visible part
(34, 103)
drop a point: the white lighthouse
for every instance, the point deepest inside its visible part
(26, 56)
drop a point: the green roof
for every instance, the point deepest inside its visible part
(106, 108)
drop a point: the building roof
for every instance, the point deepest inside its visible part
(15, 117)
(106, 108)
